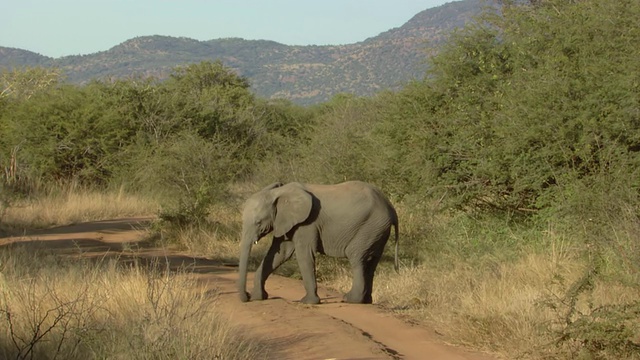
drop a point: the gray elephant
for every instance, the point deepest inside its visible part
(352, 219)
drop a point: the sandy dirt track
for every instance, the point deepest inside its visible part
(331, 330)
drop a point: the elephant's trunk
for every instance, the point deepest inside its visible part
(245, 251)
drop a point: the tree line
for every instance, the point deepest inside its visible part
(532, 110)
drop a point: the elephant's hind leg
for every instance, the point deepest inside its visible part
(372, 263)
(369, 271)
(279, 252)
(357, 293)
(364, 261)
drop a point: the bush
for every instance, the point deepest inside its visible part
(67, 133)
(605, 331)
(190, 173)
(341, 145)
(514, 113)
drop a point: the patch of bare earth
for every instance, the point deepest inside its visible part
(331, 330)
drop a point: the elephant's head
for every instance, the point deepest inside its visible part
(276, 208)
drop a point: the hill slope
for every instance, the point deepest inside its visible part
(304, 74)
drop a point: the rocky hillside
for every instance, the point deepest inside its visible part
(304, 74)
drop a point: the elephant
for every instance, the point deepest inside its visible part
(352, 219)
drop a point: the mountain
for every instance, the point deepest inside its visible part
(10, 57)
(304, 74)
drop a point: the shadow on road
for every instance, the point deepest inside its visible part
(121, 240)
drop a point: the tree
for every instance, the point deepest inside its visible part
(68, 132)
(523, 108)
(24, 83)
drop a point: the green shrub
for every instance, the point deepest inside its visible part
(190, 173)
(519, 108)
(66, 133)
(341, 146)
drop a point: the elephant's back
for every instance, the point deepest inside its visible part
(346, 210)
(350, 194)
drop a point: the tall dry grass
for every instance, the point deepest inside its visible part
(217, 238)
(52, 309)
(219, 234)
(74, 204)
(509, 309)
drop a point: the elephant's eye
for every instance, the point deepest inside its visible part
(262, 225)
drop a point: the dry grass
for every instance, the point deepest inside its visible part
(52, 309)
(515, 309)
(510, 305)
(221, 237)
(74, 204)
(218, 238)
(88, 311)
(494, 308)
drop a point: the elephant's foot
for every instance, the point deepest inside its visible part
(310, 299)
(367, 300)
(358, 298)
(259, 294)
(244, 296)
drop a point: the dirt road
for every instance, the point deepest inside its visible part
(331, 330)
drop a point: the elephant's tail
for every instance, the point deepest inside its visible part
(396, 264)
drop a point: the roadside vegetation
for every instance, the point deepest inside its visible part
(514, 166)
(53, 309)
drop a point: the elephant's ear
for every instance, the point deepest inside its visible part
(273, 186)
(293, 206)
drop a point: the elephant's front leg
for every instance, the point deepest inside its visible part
(307, 262)
(279, 252)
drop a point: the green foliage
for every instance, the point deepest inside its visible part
(66, 133)
(575, 96)
(185, 138)
(285, 120)
(520, 108)
(210, 99)
(18, 85)
(340, 146)
(191, 173)
(197, 78)
(22, 83)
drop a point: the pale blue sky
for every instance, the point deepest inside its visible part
(73, 27)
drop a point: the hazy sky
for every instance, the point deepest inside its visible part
(73, 27)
